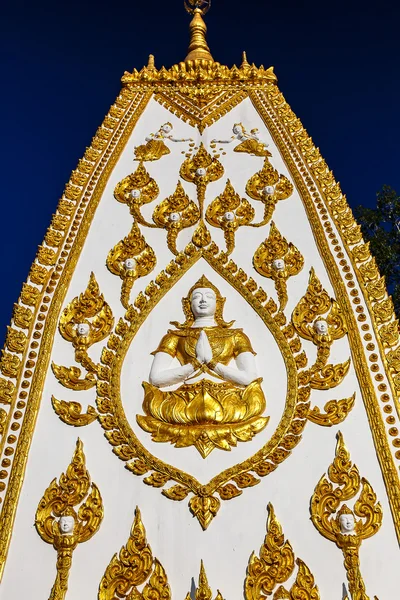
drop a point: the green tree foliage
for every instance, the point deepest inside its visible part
(381, 227)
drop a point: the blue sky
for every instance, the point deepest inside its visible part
(337, 65)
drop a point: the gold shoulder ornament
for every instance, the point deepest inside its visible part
(69, 513)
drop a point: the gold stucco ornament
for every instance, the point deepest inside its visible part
(204, 414)
(229, 211)
(249, 141)
(86, 320)
(132, 567)
(175, 213)
(135, 567)
(319, 318)
(204, 497)
(69, 513)
(71, 412)
(130, 259)
(268, 187)
(201, 169)
(203, 590)
(267, 572)
(278, 259)
(337, 522)
(335, 411)
(135, 190)
(155, 146)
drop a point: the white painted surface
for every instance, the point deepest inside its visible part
(174, 535)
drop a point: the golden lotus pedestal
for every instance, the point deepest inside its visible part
(204, 414)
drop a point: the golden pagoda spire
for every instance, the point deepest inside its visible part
(198, 47)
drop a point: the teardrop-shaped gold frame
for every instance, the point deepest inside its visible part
(230, 482)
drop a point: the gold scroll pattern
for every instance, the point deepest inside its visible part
(200, 105)
(130, 259)
(69, 513)
(337, 522)
(267, 572)
(268, 187)
(134, 566)
(175, 213)
(86, 320)
(136, 190)
(278, 260)
(229, 211)
(372, 286)
(201, 169)
(204, 503)
(50, 272)
(71, 412)
(318, 318)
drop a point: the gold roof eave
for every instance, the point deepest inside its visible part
(199, 66)
(199, 72)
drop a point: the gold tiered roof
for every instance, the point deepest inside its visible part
(199, 65)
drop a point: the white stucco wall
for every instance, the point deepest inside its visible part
(176, 538)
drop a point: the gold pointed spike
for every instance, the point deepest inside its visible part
(203, 591)
(245, 62)
(198, 47)
(150, 64)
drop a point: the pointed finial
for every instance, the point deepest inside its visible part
(203, 591)
(245, 63)
(198, 48)
(150, 64)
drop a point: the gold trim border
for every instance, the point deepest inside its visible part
(118, 431)
(272, 117)
(107, 146)
(180, 104)
(50, 275)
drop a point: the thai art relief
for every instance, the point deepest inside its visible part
(197, 391)
(155, 146)
(204, 413)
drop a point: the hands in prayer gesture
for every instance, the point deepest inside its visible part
(204, 353)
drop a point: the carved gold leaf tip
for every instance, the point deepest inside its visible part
(203, 591)
(275, 565)
(69, 513)
(198, 47)
(133, 566)
(150, 64)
